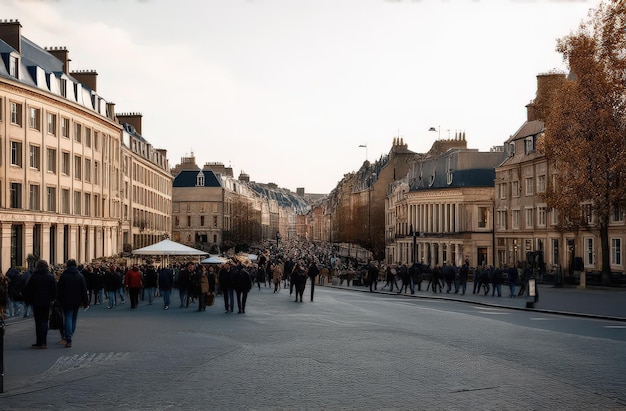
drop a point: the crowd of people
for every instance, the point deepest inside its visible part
(291, 267)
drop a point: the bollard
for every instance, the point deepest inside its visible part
(532, 294)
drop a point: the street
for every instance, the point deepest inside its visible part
(345, 350)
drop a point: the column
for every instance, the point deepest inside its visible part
(5, 249)
(73, 249)
(45, 242)
(28, 239)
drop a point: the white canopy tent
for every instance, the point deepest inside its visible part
(166, 248)
(214, 259)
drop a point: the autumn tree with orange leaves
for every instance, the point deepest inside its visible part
(585, 134)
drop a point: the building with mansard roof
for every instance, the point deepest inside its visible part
(75, 180)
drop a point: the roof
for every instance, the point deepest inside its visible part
(189, 178)
(529, 128)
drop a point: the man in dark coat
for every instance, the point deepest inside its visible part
(72, 294)
(41, 290)
(242, 283)
(226, 284)
(166, 282)
(298, 279)
(184, 283)
(312, 273)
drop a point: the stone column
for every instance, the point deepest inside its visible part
(5, 246)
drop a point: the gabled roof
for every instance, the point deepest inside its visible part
(189, 178)
(529, 128)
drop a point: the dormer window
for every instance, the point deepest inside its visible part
(449, 172)
(529, 145)
(511, 149)
(200, 179)
(13, 66)
(432, 179)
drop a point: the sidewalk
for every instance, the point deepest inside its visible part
(593, 302)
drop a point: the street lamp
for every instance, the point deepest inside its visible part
(438, 130)
(364, 146)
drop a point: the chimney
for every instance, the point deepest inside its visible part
(300, 191)
(61, 53)
(10, 33)
(134, 119)
(87, 78)
(547, 85)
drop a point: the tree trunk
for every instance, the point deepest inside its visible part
(606, 252)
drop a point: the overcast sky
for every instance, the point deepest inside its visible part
(286, 91)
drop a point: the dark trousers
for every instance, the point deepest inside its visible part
(312, 287)
(242, 297)
(133, 294)
(41, 324)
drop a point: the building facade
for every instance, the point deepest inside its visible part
(62, 160)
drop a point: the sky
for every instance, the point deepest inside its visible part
(287, 91)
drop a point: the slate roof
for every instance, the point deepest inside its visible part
(189, 178)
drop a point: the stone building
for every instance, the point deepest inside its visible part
(523, 221)
(72, 177)
(442, 211)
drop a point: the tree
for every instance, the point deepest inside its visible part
(585, 134)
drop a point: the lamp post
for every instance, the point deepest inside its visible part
(364, 146)
(438, 130)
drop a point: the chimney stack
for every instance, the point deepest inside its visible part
(61, 53)
(10, 33)
(87, 78)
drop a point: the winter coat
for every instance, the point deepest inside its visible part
(41, 289)
(72, 289)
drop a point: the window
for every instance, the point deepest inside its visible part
(87, 137)
(88, 170)
(33, 197)
(201, 221)
(51, 199)
(515, 188)
(64, 87)
(77, 203)
(16, 114)
(618, 212)
(52, 160)
(188, 221)
(515, 218)
(529, 145)
(65, 201)
(541, 184)
(482, 217)
(52, 124)
(541, 216)
(16, 195)
(87, 204)
(14, 63)
(176, 221)
(214, 221)
(616, 251)
(555, 216)
(34, 157)
(96, 141)
(200, 179)
(78, 133)
(511, 149)
(96, 172)
(16, 153)
(65, 127)
(501, 220)
(587, 213)
(530, 186)
(529, 218)
(65, 163)
(34, 118)
(588, 244)
(96, 206)
(502, 191)
(78, 168)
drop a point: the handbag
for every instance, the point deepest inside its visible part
(56, 320)
(210, 299)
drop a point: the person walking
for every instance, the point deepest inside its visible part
(313, 272)
(372, 276)
(512, 279)
(133, 282)
(111, 286)
(242, 282)
(226, 284)
(166, 282)
(463, 274)
(150, 280)
(184, 282)
(298, 279)
(41, 290)
(203, 287)
(72, 293)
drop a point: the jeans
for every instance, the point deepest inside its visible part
(120, 291)
(166, 297)
(183, 298)
(512, 289)
(71, 316)
(13, 308)
(150, 293)
(111, 297)
(498, 288)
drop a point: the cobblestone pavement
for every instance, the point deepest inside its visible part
(346, 351)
